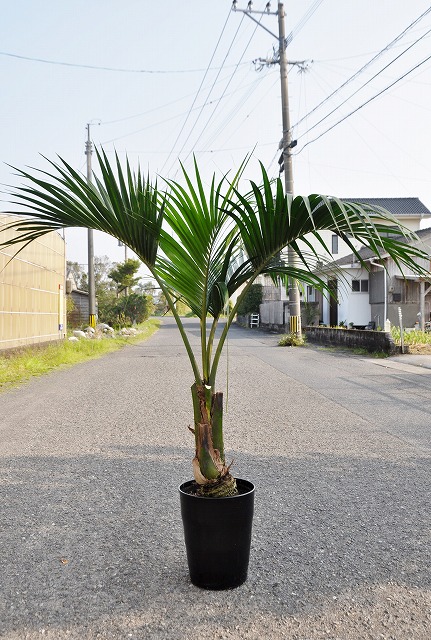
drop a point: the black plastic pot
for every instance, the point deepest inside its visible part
(217, 534)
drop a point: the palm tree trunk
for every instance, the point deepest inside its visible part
(209, 466)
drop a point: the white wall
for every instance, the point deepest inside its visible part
(352, 306)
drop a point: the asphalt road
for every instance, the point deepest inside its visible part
(338, 447)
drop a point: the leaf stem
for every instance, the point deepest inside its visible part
(197, 374)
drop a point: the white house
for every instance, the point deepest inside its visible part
(350, 282)
(369, 296)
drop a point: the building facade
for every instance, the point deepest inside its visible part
(359, 296)
(32, 289)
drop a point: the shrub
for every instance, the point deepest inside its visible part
(129, 310)
(251, 301)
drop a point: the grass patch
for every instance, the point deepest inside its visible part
(291, 340)
(352, 351)
(411, 337)
(19, 366)
(360, 351)
(418, 342)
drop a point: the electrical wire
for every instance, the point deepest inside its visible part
(365, 103)
(230, 80)
(101, 68)
(368, 81)
(234, 111)
(158, 108)
(297, 28)
(358, 55)
(365, 66)
(306, 17)
(199, 89)
(155, 124)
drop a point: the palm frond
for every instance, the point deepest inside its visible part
(274, 221)
(122, 205)
(199, 242)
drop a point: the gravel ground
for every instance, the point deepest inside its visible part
(91, 537)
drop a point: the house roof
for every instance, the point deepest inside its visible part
(396, 206)
(366, 252)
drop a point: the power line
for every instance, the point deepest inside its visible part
(305, 18)
(365, 66)
(199, 89)
(303, 21)
(101, 68)
(251, 87)
(230, 80)
(158, 108)
(366, 83)
(154, 124)
(358, 55)
(234, 111)
(365, 103)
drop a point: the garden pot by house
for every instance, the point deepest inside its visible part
(217, 534)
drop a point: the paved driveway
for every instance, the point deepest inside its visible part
(339, 450)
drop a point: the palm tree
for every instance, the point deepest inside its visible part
(202, 245)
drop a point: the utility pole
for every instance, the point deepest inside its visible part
(286, 144)
(91, 284)
(120, 244)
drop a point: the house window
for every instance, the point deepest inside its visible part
(334, 244)
(360, 286)
(309, 291)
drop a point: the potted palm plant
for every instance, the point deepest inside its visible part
(202, 245)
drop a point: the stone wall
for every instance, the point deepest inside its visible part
(370, 340)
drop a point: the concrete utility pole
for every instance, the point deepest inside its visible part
(120, 244)
(287, 144)
(91, 284)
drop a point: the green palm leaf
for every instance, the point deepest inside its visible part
(124, 206)
(273, 222)
(199, 243)
(202, 243)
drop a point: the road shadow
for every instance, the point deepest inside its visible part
(92, 541)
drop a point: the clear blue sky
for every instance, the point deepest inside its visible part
(159, 54)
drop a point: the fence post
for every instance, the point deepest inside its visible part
(400, 316)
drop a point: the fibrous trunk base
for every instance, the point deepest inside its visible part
(221, 488)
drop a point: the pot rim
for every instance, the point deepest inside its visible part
(251, 485)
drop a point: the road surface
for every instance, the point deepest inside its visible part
(339, 450)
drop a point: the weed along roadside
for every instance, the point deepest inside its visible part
(202, 244)
(20, 365)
